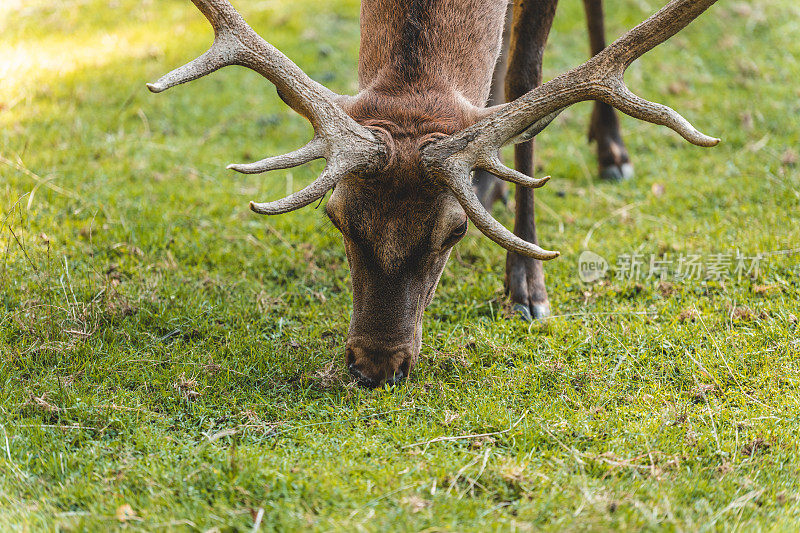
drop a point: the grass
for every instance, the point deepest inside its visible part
(171, 361)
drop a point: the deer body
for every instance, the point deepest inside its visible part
(400, 153)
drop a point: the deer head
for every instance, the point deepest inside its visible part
(399, 160)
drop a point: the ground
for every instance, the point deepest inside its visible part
(171, 361)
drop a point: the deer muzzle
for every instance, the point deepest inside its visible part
(385, 334)
(372, 364)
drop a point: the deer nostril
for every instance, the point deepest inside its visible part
(396, 379)
(361, 379)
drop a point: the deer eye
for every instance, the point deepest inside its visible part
(459, 232)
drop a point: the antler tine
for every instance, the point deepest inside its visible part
(212, 60)
(302, 198)
(313, 150)
(600, 78)
(497, 168)
(348, 146)
(457, 178)
(536, 128)
(637, 107)
(236, 43)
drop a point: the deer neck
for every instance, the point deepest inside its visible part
(444, 47)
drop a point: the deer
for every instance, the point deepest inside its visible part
(400, 154)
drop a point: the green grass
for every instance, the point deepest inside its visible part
(165, 349)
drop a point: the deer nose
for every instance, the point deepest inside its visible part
(371, 368)
(369, 383)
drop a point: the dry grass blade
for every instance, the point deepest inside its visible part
(448, 438)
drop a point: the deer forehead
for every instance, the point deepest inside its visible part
(394, 224)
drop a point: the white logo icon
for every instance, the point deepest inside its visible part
(591, 267)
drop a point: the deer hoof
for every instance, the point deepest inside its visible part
(534, 312)
(523, 312)
(540, 311)
(617, 172)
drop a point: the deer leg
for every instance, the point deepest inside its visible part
(524, 275)
(488, 187)
(612, 156)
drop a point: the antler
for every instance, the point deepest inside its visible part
(347, 146)
(601, 78)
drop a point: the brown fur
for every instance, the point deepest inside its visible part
(424, 45)
(424, 69)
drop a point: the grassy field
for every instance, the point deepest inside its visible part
(171, 361)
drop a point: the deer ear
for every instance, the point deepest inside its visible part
(385, 136)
